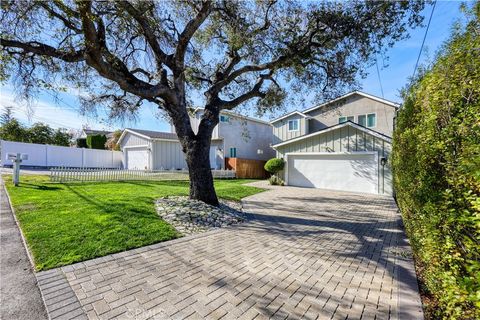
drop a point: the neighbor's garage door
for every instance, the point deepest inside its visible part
(347, 172)
(137, 158)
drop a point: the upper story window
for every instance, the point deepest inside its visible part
(224, 118)
(368, 120)
(294, 125)
(233, 152)
(345, 119)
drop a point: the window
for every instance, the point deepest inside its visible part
(224, 118)
(368, 120)
(233, 152)
(293, 125)
(362, 120)
(371, 120)
(345, 119)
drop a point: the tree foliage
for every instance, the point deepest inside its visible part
(96, 141)
(112, 142)
(12, 130)
(274, 165)
(224, 53)
(436, 165)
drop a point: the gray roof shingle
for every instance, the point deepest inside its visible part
(155, 134)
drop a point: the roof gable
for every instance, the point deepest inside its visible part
(289, 115)
(360, 93)
(148, 134)
(335, 127)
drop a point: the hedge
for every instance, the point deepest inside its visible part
(82, 143)
(274, 165)
(96, 141)
(436, 171)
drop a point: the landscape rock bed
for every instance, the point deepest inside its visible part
(192, 216)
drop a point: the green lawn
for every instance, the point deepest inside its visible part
(67, 223)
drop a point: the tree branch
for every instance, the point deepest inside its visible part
(255, 92)
(148, 32)
(189, 31)
(44, 50)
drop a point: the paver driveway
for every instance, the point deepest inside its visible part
(306, 254)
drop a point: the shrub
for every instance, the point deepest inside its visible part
(96, 141)
(436, 172)
(82, 143)
(276, 181)
(274, 165)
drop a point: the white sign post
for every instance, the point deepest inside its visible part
(16, 159)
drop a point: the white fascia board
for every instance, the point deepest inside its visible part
(288, 115)
(390, 103)
(132, 132)
(348, 123)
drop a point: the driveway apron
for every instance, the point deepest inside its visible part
(305, 254)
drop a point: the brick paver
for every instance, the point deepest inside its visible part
(306, 254)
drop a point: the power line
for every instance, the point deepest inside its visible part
(424, 37)
(379, 78)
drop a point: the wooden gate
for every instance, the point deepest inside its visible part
(247, 168)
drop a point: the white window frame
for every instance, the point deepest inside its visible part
(293, 121)
(346, 119)
(366, 119)
(235, 151)
(376, 120)
(224, 118)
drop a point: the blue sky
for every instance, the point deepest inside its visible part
(400, 65)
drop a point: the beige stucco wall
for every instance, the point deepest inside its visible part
(346, 139)
(280, 129)
(354, 105)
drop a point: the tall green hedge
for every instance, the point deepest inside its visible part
(436, 169)
(96, 141)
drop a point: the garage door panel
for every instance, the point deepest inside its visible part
(347, 172)
(137, 159)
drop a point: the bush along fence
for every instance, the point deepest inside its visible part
(65, 174)
(436, 161)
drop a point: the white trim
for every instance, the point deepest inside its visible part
(137, 146)
(235, 115)
(288, 115)
(298, 125)
(335, 127)
(390, 103)
(375, 153)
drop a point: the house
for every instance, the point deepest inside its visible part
(151, 150)
(236, 136)
(239, 136)
(90, 132)
(343, 144)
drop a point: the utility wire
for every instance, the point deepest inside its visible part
(424, 37)
(379, 78)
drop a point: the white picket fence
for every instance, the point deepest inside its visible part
(64, 174)
(42, 155)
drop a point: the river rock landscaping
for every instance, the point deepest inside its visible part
(192, 216)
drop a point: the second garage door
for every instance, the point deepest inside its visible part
(137, 158)
(356, 172)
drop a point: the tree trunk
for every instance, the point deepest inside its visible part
(201, 179)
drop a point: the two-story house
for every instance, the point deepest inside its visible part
(343, 144)
(236, 136)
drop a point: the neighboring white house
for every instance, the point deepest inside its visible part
(151, 150)
(237, 136)
(343, 144)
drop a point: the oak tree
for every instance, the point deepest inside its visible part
(223, 53)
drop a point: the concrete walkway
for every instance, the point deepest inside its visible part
(306, 254)
(19, 295)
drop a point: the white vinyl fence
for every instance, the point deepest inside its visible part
(42, 155)
(63, 174)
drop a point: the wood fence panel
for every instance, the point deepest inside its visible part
(247, 168)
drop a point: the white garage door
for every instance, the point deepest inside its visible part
(137, 158)
(346, 172)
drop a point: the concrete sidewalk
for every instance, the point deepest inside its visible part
(19, 295)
